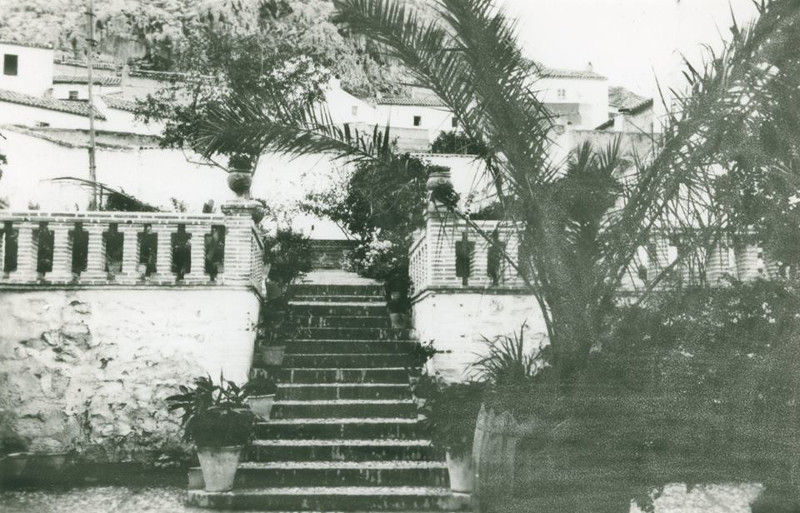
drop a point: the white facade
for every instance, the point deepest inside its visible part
(588, 97)
(26, 69)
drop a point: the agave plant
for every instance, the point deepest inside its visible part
(508, 362)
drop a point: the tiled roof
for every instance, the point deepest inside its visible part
(119, 103)
(548, 72)
(26, 45)
(83, 79)
(571, 73)
(623, 99)
(411, 102)
(70, 107)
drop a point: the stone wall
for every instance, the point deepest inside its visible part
(458, 321)
(88, 369)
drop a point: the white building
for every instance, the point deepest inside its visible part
(577, 98)
(26, 69)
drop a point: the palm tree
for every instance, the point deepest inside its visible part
(581, 227)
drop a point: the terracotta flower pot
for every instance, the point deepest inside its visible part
(261, 404)
(461, 472)
(219, 465)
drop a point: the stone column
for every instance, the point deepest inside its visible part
(130, 252)
(164, 253)
(717, 264)
(96, 259)
(238, 241)
(772, 265)
(27, 253)
(658, 256)
(62, 253)
(198, 254)
(747, 262)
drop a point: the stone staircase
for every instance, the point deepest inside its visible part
(344, 433)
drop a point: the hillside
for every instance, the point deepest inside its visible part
(152, 32)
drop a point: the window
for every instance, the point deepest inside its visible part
(10, 64)
(417, 120)
(454, 122)
(73, 95)
(354, 110)
(562, 94)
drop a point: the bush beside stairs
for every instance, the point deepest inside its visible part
(344, 433)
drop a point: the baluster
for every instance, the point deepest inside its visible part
(717, 264)
(26, 253)
(197, 272)
(130, 252)
(62, 253)
(96, 259)
(747, 262)
(658, 257)
(164, 252)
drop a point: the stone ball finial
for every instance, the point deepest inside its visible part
(438, 176)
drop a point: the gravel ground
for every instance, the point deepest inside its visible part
(101, 499)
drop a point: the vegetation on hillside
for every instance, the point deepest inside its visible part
(158, 34)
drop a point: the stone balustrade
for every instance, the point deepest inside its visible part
(449, 254)
(39, 248)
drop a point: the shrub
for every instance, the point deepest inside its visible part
(456, 142)
(290, 254)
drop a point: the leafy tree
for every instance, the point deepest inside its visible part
(455, 142)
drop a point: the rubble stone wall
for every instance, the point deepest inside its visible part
(88, 370)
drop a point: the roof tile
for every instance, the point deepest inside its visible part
(70, 107)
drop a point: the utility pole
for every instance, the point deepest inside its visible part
(90, 44)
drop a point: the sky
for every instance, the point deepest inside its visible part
(629, 41)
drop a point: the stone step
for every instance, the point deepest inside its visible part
(372, 498)
(339, 375)
(345, 408)
(343, 321)
(342, 346)
(392, 428)
(357, 333)
(319, 289)
(350, 308)
(342, 450)
(338, 298)
(341, 473)
(347, 360)
(302, 391)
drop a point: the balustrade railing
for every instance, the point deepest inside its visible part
(454, 255)
(451, 255)
(130, 248)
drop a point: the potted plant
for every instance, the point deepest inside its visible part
(217, 419)
(398, 310)
(449, 418)
(261, 395)
(240, 174)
